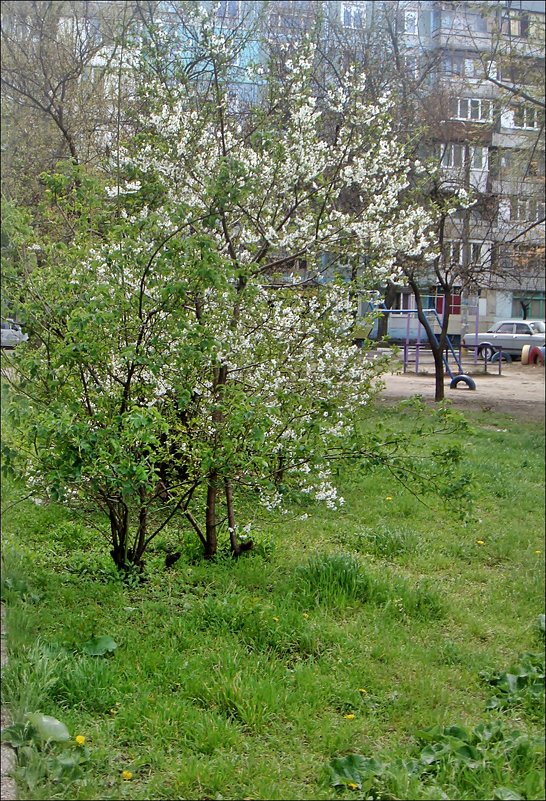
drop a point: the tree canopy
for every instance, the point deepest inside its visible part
(190, 341)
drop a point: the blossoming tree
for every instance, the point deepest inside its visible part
(180, 356)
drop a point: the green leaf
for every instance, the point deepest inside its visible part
(48, 728)
(467, 753)
(352, 769)
(506, 794)
(433, 734)
(65, 765)
(99, 646)
(15, 735)
(432, 753)
(458, 732)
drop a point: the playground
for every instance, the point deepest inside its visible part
(518, 391)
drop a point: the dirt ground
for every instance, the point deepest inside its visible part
(518, 392)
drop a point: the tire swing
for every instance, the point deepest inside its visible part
(536, 355)
(462, 379)
(505, 357)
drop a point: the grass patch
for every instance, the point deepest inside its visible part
(379, 631)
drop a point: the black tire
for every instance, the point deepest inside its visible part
(462, 379)
(505, 357)
(486, 351)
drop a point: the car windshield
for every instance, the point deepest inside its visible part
(538, 326)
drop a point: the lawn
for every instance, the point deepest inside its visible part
(406, 635)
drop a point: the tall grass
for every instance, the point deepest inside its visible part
(347, 633)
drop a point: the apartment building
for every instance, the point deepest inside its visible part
(491, 74)
(479, 69)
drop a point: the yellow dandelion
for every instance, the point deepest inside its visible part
(388, 498)
(363, 691)
(538, 553)
(350, 716)
(480, 542)
(352, 786)
(276, 619)
(80, 739)
(126, 775)
(306, 615)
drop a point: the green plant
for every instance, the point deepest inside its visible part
(522, 685)
(383, 540)
(338, 579)
(45, 750)
(230, 679)
(473, 761)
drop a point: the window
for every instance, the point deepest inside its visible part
(453, 64)
(516, 25)
(477, 23)
(460, 64)
(479, 253)
(479, 158)
(459, 21)
(403, 301)
(295, 18)
(410, 22)
(505, 328)
(474, 109)
(528, 304)
(228, 8)
(454, 21)
(352, 15)
(454, 303)
(452, 156)
(511, 71)
(475, 252)
(526, 116)
(522, 328)
(452, 252)
(526, 209)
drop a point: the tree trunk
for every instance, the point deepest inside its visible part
(383, 321)
(435, 345)
(439, 375)
(119, 528)
(235, 545)
(211, 538)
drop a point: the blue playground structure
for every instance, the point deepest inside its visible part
(458, 377)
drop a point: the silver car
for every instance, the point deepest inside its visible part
(507, 335)
(12, 334)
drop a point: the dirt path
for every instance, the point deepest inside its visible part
(519, 391)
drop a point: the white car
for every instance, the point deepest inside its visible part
(12, 334)
(507, 335)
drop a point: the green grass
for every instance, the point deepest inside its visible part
(347, 633)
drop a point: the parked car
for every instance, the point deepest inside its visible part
(12, 334)
(507, 335)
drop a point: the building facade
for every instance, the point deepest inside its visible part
(479, 71)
